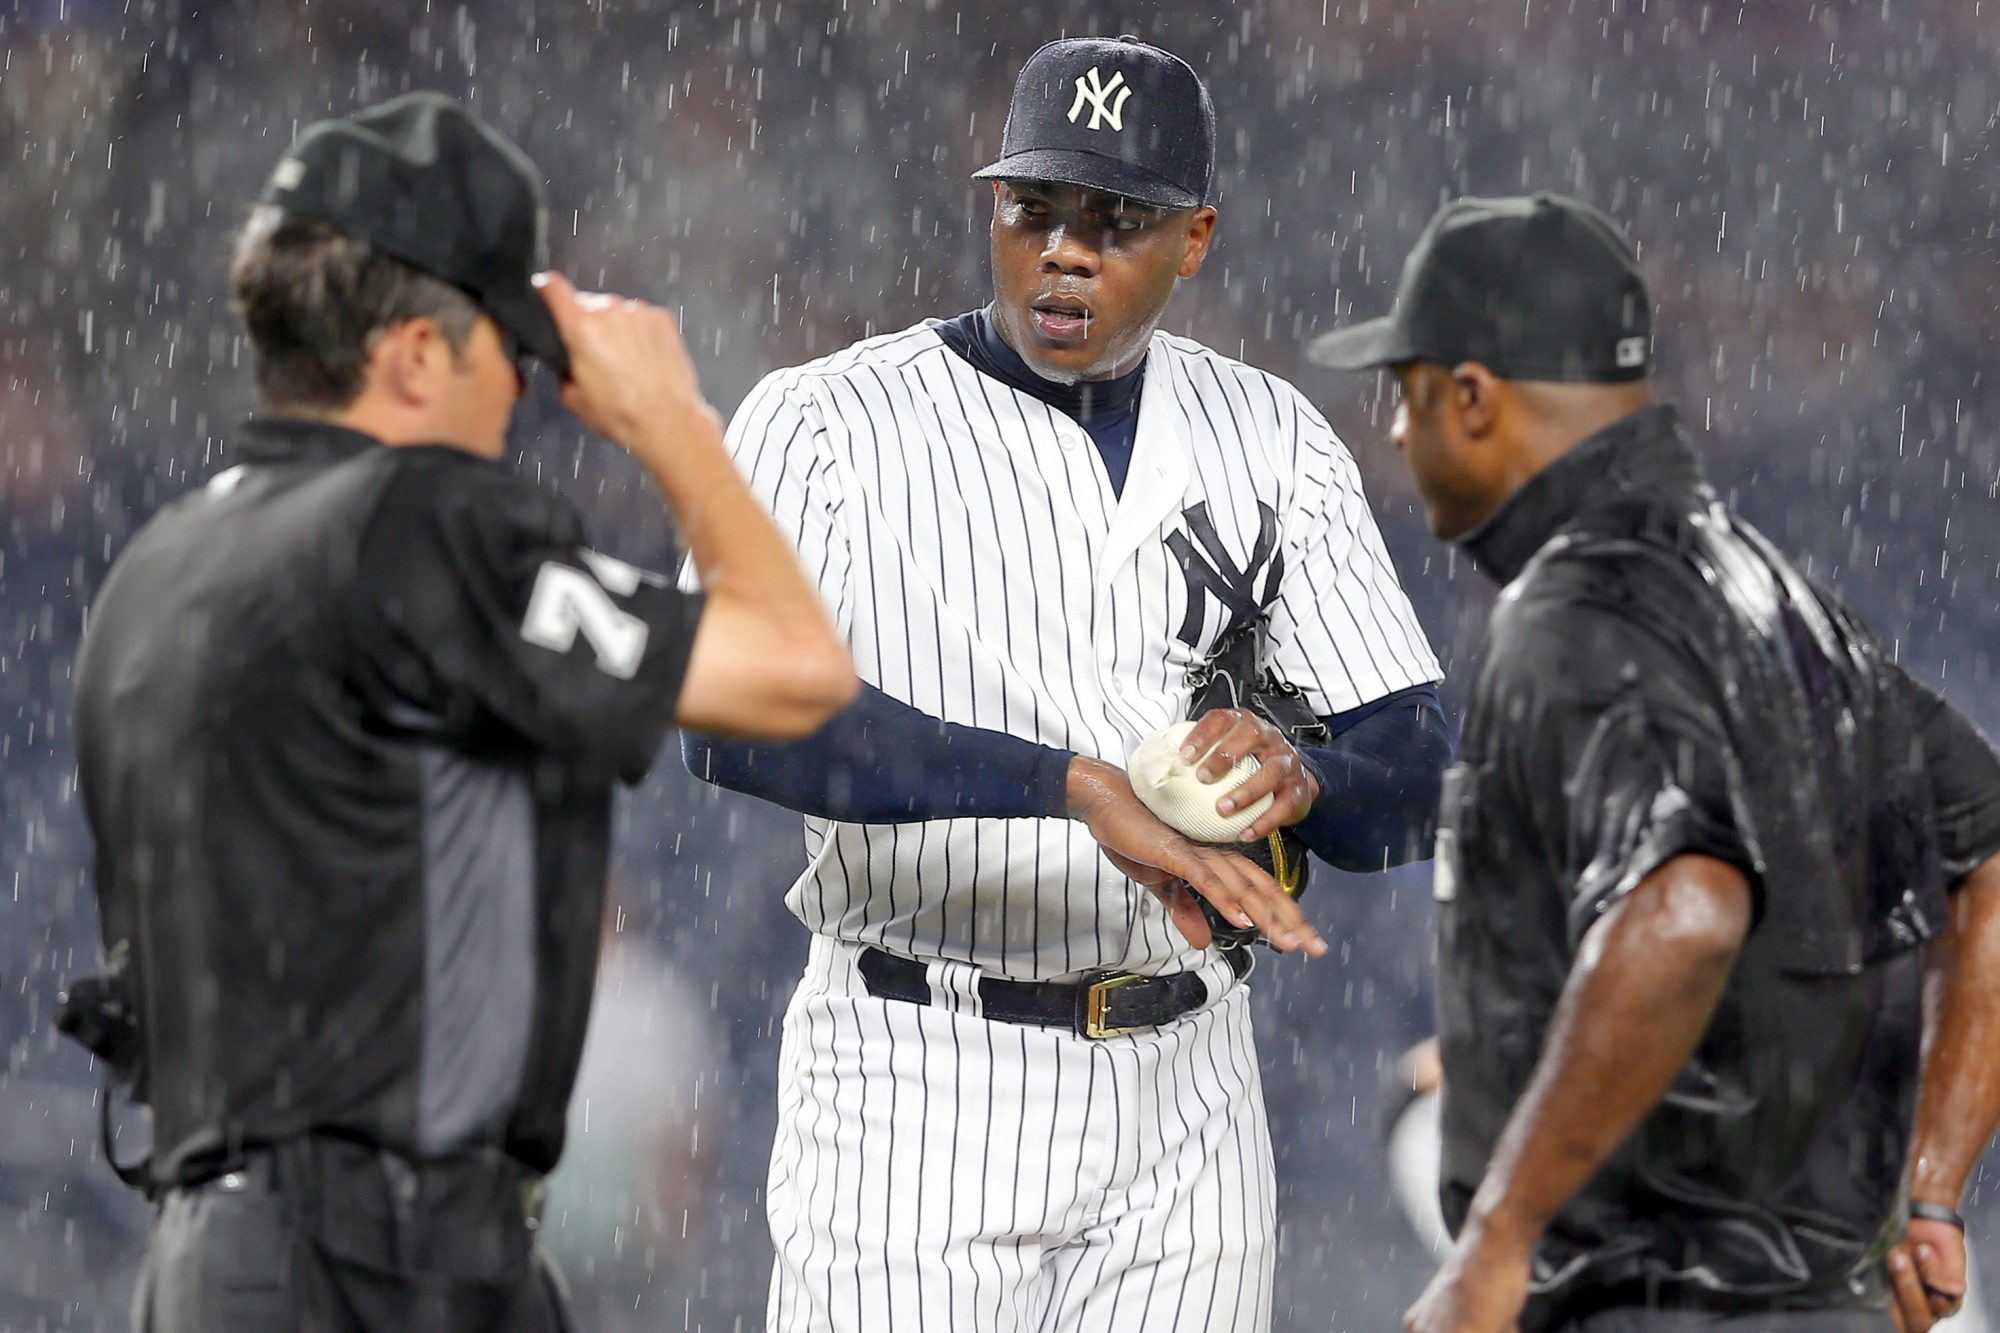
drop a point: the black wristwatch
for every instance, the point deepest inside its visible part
(1936, 1212)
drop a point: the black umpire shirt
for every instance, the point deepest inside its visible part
(348, 723)
(1659, 680)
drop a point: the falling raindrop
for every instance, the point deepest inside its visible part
(1813, 188)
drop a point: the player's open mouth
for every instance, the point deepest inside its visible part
(1062, 321)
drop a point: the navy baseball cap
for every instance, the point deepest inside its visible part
(1540, 287)
(1111, 114)
(423, 180)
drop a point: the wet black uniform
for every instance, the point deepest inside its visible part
(1660, 681)
(348, 724)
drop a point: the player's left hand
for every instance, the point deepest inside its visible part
(1927, 1274)
(1480, 1289)
(1228, 736)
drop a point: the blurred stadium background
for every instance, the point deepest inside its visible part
(1814, 187)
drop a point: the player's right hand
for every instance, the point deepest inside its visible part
(1134, 839)
(1179, 900)
(630, 378)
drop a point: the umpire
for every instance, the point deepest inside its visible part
(1704, 844)
(348, 722)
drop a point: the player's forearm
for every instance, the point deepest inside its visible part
(1959, 1101)
(1379, 780)
(880, 761)
(1639, 997)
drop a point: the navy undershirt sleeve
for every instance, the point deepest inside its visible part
(1380, 775)
(880, 761)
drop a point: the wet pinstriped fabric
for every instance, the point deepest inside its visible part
(972, 550)
(936, 1171)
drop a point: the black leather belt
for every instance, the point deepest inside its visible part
(471, 1214)
(1113, 1004)
(1865, 1304)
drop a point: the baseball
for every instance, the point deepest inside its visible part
(1170, 788)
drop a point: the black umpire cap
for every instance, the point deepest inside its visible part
(423, 180)
(1111, 114)
(1536, 288)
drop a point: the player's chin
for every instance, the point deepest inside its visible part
(1068, 362)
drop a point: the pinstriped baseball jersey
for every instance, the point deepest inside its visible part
(968, 540)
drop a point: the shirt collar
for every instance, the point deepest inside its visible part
(1083, 400)
(1645, 453)
(298, 439)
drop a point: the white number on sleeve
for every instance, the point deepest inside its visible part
(567, 602)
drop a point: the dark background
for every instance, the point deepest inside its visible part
(1813, 186)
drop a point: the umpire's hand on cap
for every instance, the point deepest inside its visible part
(630, 377)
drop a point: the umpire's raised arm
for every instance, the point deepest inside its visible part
(766, 659)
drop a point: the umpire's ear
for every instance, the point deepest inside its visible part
(412, 363)
(1475, 398)
(1200, 232)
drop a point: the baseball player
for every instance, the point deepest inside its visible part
(1018, 1090)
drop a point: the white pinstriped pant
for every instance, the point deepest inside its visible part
(939, 1172)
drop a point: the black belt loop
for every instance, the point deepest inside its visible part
(1106, 1006)
(400, 1174)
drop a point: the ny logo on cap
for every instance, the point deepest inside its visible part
(1092, 89)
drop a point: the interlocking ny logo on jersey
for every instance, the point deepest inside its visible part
(1092, 89)
(1217, 575)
